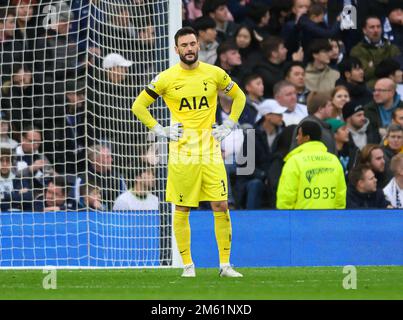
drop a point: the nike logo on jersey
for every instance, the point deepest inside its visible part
(223, 194)
(177, 88)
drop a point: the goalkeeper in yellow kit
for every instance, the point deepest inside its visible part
(196, 170)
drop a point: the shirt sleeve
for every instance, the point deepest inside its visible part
(139, 108)
(231, 89)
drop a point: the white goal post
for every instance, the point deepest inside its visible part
(81, 185)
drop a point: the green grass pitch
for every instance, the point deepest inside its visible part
(166, 284)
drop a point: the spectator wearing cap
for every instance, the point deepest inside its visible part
(390, 68)
(207, 34)
(319, 76)
(363, 191)
(373, 48)
(254, 88)
(116, 67)
(113, 103)
(272, 68)
(352, 77)
(139, 197)
(394, 190)
(385, 101)
(360, 130)
(312, 178)
(347, 152)
(319, 109)
(251, 189)
(286, 95)
(218, 10)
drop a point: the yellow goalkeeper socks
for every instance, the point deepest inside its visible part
(223, 234)
(182, 235)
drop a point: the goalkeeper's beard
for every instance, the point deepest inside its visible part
(189, 62)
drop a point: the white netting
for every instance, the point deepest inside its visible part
(70, 71)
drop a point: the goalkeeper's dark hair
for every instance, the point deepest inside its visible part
(203, 23)
(311, 129)
(184, 32)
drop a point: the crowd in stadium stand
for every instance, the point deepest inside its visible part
(296, 60)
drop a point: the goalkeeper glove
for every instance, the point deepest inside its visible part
(173, 132)
(223, 130)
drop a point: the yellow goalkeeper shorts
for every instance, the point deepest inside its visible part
(192, 179)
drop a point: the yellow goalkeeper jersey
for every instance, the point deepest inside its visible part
(191, 96)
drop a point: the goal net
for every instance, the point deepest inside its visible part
(82, 182)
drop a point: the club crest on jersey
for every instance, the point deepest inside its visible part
(205, 83)
(194, 103)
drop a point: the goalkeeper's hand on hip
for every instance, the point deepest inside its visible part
(173, 132)
(223, 130)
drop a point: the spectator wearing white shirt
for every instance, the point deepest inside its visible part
(140, 196)
(394, 189)
(286, 95)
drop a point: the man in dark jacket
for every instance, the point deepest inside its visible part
(218, 10)
(352, 77)
(272, 69)
(362, 192)
(361, 130)
(373, 49)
